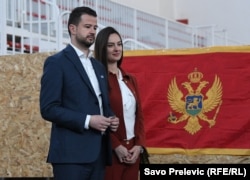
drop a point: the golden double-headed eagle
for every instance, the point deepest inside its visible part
(194, 105)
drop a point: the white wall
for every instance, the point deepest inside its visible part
(166, 9)
(231, 15)
(162, 8)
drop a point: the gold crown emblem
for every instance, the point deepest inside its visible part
(195, 76)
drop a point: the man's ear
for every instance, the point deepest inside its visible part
(72, 29)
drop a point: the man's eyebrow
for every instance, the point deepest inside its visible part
(96, 26)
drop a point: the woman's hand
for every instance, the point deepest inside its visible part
(134, 154)
(122, 153)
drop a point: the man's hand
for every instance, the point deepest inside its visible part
(99, 122)
(114, 123)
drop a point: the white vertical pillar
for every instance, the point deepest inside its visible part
(135, 36)
(3, 38)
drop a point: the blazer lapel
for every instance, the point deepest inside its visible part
(99, 75)
(72, 56)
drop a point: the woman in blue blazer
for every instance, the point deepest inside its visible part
(74, 97)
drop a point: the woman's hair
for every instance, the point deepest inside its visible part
(101, 44)
(75, 15)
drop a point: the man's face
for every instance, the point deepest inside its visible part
(84, 33)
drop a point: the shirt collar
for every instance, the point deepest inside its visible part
(80, 53)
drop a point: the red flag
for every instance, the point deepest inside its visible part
(194, 102)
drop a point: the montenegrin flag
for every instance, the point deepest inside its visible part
(195, 101)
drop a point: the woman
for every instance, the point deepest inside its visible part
(129, 139)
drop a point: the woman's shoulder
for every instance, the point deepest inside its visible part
(127, 74)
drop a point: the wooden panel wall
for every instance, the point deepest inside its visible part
(24, 136)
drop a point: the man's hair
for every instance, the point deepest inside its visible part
(75, 15)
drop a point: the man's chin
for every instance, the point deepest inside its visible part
(89, 43)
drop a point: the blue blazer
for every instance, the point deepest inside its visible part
(66, 97)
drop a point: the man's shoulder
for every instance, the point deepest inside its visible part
(97, 62)
(55, 56)
(63, 52)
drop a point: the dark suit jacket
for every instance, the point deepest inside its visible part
(66, 97)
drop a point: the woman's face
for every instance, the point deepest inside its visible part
(114, 48)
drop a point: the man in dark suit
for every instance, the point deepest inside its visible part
(74, 97)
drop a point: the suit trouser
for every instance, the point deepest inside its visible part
(86, 171)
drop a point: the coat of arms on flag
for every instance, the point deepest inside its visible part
(195, 105)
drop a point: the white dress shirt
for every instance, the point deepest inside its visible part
(85, 60)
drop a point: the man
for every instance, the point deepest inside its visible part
(74, 97)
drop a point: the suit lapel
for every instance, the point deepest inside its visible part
(99, 75)
(72, 56)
